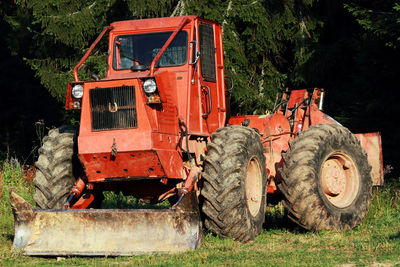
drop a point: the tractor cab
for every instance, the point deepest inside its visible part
(175, 60)
(163, 95)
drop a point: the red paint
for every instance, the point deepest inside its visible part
(83, 202)
(137, 164)
(271, 189)
(372, 143)
(78, 188)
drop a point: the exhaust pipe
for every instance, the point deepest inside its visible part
(106, 232)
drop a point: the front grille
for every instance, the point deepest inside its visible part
(113, 108)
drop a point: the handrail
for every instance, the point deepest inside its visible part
(75, 71)
(162, 50)
(205, 114)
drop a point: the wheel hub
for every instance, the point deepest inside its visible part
(340, 179)
(253, 187)
(333, 177)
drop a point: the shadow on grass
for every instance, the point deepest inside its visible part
(394, 237)
(275, 216)
(276, 219)
(8, 237)
(119, 201)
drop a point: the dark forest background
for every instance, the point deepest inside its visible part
(349, 48)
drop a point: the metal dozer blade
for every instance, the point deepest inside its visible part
(106, 232)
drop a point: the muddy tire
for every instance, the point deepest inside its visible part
(326, 179)
(54, 176)
(234, 180)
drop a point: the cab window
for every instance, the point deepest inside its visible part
(207, 51)
(141, 49)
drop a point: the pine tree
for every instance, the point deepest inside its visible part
(382, 18)
(263, 40)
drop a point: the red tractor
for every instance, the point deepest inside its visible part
(158, 127)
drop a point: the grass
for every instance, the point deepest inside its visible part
(375, 242)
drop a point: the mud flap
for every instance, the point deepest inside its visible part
(106, 232)
(372, 143)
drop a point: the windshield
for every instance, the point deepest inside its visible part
(141, 49)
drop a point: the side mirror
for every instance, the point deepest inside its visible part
(196, 53)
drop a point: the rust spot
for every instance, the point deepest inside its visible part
(179, 225)
(22, 210)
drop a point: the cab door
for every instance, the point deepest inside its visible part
(207, 89)
(211, 74)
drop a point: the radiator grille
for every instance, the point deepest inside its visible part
(113, 108)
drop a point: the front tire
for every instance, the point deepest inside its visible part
(234, 181)
(54, 176)
(326, 179)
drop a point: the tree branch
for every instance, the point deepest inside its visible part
(74, 13)
(179, 9)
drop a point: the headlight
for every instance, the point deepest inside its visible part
(149, 86)
(77, 91)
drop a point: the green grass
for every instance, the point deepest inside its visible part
(375, 241)
(112, 200)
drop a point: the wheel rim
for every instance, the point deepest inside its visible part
(253, 187)
(340, 179)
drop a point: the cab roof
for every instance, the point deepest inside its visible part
(155, 23)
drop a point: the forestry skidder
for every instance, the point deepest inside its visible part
(158, 127)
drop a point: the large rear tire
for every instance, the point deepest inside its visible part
(234, 181)
(54, 176)
(326, 179)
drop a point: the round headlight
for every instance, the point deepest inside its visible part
(77, 91)
(149, 86)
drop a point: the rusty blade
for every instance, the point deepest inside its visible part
(106, 232)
